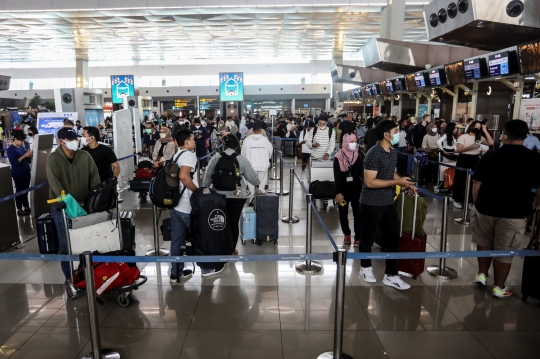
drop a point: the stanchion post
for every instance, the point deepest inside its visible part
(156, 251)
(340, 257)
(290, 218)
(274, 175)
(308, 267)
(93, 314)
(281, 191)
(465, 220)
(442, 271)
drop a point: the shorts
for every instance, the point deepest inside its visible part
(305, 157)
(497, 233)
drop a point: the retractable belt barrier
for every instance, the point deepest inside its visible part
(438, 163)
(211, 153)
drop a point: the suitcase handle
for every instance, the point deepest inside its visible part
(414, 214)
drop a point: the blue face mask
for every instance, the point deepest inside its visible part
(395, 139)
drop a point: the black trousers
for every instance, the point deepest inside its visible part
(354, 200)
(465, 161)
(234, 211)
(22, 182)
(386, 217)
(201, 152)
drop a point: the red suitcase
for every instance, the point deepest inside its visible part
(408, 243)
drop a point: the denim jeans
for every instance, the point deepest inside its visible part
(22, 182)
(62, 238)
(180, 225)
(386, 218)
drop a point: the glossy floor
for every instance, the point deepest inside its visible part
(266, 309)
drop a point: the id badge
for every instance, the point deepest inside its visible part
(349, 179)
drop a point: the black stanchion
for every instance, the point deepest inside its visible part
(465, 219)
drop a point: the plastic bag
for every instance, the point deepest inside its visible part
(449, 178)
(73, 208)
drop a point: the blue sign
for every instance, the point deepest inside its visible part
(93, 117)
(231, 86)
(122, 86)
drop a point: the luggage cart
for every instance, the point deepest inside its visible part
(322, 171)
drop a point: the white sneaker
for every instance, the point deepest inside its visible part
(367, 274)
(302, 176)
(457, 205)
(395, 282)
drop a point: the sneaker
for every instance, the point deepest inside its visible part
(188, 273)
(210, 272)
(173, 278)
(395, 282)
(502, 293)
(480, 279)
(367, 274)
(457, 205)
(302, 176)
(356, 244)
(347, 239)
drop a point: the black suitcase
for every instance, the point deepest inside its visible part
(210, 231)
(531, 265)
(322, 189)
(290, 148)
(267, 208)
(166, 229)
(127, 228)
(139, 184)
(46, 235)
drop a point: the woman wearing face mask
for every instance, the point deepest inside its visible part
(348, 167)
(468, 147)
(32, 130)
(164, 149)
(429, 143)
(20, 170)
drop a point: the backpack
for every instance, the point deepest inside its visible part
(102, 197)
(226, 175)
(145, 164)
(329, 132)
(161, 194)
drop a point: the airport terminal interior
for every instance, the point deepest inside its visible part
(137, 61)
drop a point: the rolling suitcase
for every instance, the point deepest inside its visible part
(531, 265)
(140, 184)
(413, 242)
(94, 232)
(289, 148)
(249, 225)
(267, 208)
(47, 235)
(127, 230)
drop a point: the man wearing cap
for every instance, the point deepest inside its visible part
(75, 173)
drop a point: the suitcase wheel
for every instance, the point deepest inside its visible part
(325, 205)
(124, 299)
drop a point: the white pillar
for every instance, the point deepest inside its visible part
(82, 76)
(393, 20)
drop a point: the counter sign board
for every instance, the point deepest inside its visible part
(231, 86)
(122, 86)
(209, 103)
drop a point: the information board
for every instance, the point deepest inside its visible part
(51, 122)
(231, 86)
(209, 103)
(122, 86)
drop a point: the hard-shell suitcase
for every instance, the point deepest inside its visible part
(94, 232)
(411, 242)
(267, 208)
(127, 230)
(139, 184)
(531, 265)
(47, 235)
(211, 233)
(249, 225)
(289, 148)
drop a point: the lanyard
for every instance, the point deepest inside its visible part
(349, 162)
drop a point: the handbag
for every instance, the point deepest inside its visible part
(73, 208)
(449, 178)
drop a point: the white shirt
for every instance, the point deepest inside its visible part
(188, 159)
(442, 143)
(305, 148)
(258, 150)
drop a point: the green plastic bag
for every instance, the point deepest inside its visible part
(73, 208)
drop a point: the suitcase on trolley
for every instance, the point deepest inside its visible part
(531, 265)
(46, 234)
(412, 242)
(249, 225)
(267, 208)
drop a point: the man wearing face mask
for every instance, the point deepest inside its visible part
(322, 140)
(419, 131)
(201, 134)
(74, 172)
(150, 138)
(377, 206)
(103, 156)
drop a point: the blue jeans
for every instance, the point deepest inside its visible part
(180, 224)
(62, 238)
(22, 182)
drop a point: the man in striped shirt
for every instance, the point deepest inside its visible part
(321, 140)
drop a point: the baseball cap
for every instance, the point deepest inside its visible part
(171, 175)
(67, 134)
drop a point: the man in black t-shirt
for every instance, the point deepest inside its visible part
(346, 127)
(150, 138)
(502, 185)
(104, 158)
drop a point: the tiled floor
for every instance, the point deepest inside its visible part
(267, 310)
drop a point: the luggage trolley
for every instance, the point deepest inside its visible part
(321, 180)
(95, 232)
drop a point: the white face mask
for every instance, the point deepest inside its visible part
(322, 128)
(197, 127)
(434, 129)
(162, 135)
(352, 146)
(84, 141)
(72, 145)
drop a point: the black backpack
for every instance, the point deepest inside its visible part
(145, 164)
(227, 175)
(329, 132)
(102, 197)
(161, 194)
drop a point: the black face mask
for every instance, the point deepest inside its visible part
(31, 134)
(476, 131)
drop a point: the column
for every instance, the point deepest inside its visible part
(82, 75)
(293, 106)
(393, 20)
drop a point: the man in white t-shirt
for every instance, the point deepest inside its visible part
(181, 215)
(258, 150)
